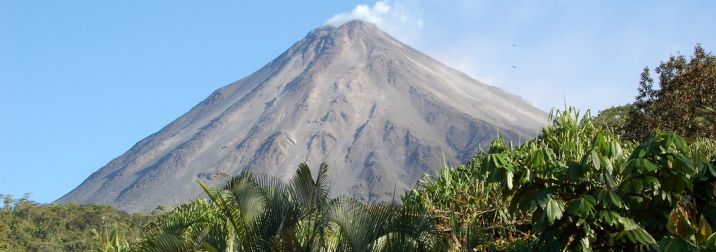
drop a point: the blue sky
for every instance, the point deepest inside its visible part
(83, 81)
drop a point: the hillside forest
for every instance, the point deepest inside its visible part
(635, 177)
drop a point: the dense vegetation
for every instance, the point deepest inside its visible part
(261, 213)
(579, 187)
(637, 177)
(26, 225)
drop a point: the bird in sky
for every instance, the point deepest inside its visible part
(514, 67)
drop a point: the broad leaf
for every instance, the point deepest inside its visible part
(509, 176)
(580, 207)
(679, 224)
(594, 156)
(645, 164)
(704, 230)
(554, 211)
(674, 244)
(609, 217)
(680, 144)
(607, 164)
(543, 197)
(711, 242)
(615, 150)
(616, 200)
(635, 233)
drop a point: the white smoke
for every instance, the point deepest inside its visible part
(398, 20)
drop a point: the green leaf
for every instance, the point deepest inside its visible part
(674, 244)
(651, 181)
(538, 160)
(554, 211)
(633, 185)
(640, 151)
(509, 178)
(644, 164)
(610, 180)
(605, 162)
(599, 141)
(616, 200)
(524, 176)
(615, 150)
(711, 242)
(668, 139)
(686, 165)
(680, 144)
(580, 207)
(607, 198)
(499, 159)
(609, 217)
(635, 233)
(595, 159)
(543, 197)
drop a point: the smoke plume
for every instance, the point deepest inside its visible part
(400, 21)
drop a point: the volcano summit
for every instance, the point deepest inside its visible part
(379, 112)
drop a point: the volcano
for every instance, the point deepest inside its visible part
(379, 112)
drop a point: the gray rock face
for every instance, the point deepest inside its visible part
(379, 112)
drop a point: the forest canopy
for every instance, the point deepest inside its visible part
(683, 102)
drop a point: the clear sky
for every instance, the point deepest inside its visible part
(83, 81)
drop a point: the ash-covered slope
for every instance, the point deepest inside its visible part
(379, 112)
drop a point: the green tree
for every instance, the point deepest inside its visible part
(614, 118)
(681, 103)
(26, 225)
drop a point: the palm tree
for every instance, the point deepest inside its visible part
(260, 213)
(195, 226)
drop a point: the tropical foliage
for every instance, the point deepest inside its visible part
(469, 210)
(26, 225)
(579, 187)
(260, 213)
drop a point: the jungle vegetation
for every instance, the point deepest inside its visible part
(26, 225)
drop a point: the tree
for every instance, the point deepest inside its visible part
(683, 102)
(26, 225)
(260, 213)
(614, 118)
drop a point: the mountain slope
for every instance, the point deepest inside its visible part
(379, 112)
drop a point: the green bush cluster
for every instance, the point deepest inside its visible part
(580, 187)
(26, 225)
